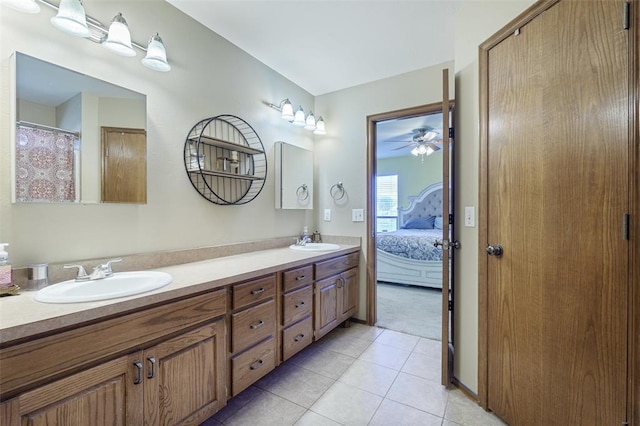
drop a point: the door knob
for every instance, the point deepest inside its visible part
(495, 250)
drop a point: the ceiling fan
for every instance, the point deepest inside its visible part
(423, 142)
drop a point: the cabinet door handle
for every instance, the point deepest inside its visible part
(340, 282)
(257, 325)
(258, 291)
(152, 372)
(301, 277)
(257, 365)
(298, 337)
(138, 378)
(301, 304)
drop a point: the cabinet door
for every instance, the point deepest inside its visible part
(326, 306)
(185, 377)
(348, 288)
(106, 394)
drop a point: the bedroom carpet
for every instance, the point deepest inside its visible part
(410, 309)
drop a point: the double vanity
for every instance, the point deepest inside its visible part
(176, 354)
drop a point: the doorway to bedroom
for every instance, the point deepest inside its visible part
(408, 221)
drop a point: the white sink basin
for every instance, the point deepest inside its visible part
(315, 247)
(121, 284)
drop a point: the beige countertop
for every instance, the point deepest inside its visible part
(22, 317)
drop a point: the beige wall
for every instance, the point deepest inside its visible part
(211, 77)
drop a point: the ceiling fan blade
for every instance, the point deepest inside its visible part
(433, 146)
(403, 147)
(396, 141)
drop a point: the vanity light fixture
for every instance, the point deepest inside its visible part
(119, 38)
(299, 118)
(320, 130)
(27, 6)
(71, 18)
(156, 58)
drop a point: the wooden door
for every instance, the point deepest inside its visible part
(326, 306)
(185, 380)
(556, 192)
(102, 395)
(124, 165)
(448, 246)
(348, 299)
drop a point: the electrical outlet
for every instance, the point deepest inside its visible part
(327, 215)
(470, 217)
(357, 215)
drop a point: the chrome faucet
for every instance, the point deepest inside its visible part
(99, 272)
(303, 241)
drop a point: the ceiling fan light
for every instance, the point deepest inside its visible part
(422, 149)
(415, 152)
(156, 58)
(27, 6)
(71, 19)
(287, 110)
(119, 39)
(310, 122)
(320, 129)
(299, 118)
(430, 150)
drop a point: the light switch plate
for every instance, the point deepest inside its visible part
(470, 217)
(357, 215)
(327, 215)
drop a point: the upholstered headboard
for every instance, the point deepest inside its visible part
(427, 203)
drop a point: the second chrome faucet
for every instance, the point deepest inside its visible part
(99, 272)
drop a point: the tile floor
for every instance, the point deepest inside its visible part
(356, 376)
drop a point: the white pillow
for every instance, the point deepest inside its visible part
(438, 223)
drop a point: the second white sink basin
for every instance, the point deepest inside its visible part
(120, 284)
(315, 247)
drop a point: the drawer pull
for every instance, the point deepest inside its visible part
(298, 337)
(299, 305)
(257, 365)
(138, 378)
(152, 373)
(257, 325)
(258, 291)
(301, 277)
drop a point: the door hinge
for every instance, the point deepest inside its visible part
(625, 226)
(625, 15)
(450, 305)
(451, 133)
(451, 219)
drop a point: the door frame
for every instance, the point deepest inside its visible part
(633, 370)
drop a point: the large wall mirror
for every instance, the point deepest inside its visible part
(77, 139)
(294, 177)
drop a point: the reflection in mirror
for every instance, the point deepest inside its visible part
(294, 177)
(62, 118)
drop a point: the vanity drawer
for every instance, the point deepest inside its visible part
(252, 325)
(297, 305)
(296, 337)
(253, 291)
(297, 278)
(251, 365)
(336, 265)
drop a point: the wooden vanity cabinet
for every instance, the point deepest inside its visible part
(297, 310)
(336, 292)
(253, 322)
(178, 379)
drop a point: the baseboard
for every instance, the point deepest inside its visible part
(465, 390)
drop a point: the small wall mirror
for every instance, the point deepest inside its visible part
(77, 139)
(294, 177)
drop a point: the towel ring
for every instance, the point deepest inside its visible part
(302, 193)
(337, 191)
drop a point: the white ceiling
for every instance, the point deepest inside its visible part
(329, 45)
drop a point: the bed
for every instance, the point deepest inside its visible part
(408, 256)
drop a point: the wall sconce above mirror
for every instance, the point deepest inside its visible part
(299, 119)
(294, 177)
(72, 133)
(72, 19)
